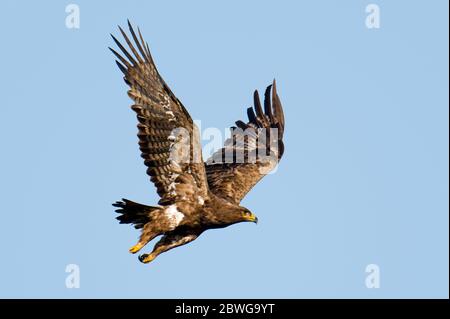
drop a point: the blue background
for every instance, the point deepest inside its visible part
(364, 178)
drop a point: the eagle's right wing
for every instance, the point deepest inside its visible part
(253, 150)
(168, 138)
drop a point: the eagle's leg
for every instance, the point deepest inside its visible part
(149, 232)
(168, 241)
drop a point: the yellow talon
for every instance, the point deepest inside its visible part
(136, 248)
(146, 258)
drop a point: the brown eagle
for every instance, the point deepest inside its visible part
(195, 196)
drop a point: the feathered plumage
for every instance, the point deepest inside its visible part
(195, 196)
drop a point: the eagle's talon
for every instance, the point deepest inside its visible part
(146, 258)
(142, 257)
(136, 248)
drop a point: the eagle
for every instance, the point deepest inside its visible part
(194, 195)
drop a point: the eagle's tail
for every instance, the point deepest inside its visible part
(133, 213)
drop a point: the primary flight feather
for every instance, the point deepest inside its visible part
(195, 195)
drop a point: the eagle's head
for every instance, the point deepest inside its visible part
(239, 214)
(248, 216)
(229, 214)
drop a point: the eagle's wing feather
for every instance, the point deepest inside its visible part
(161, 116)
(231, 176)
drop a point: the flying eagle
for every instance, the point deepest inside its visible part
(195, 195)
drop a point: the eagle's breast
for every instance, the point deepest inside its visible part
(173, 215)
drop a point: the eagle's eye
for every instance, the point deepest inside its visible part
(249, 216)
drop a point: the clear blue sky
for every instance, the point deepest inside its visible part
(364, 179)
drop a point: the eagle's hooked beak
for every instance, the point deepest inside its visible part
(253, 218)
(248, 216)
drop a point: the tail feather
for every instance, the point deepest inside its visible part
(133, 213)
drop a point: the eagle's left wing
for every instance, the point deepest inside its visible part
(173, 159)
(253, 150)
